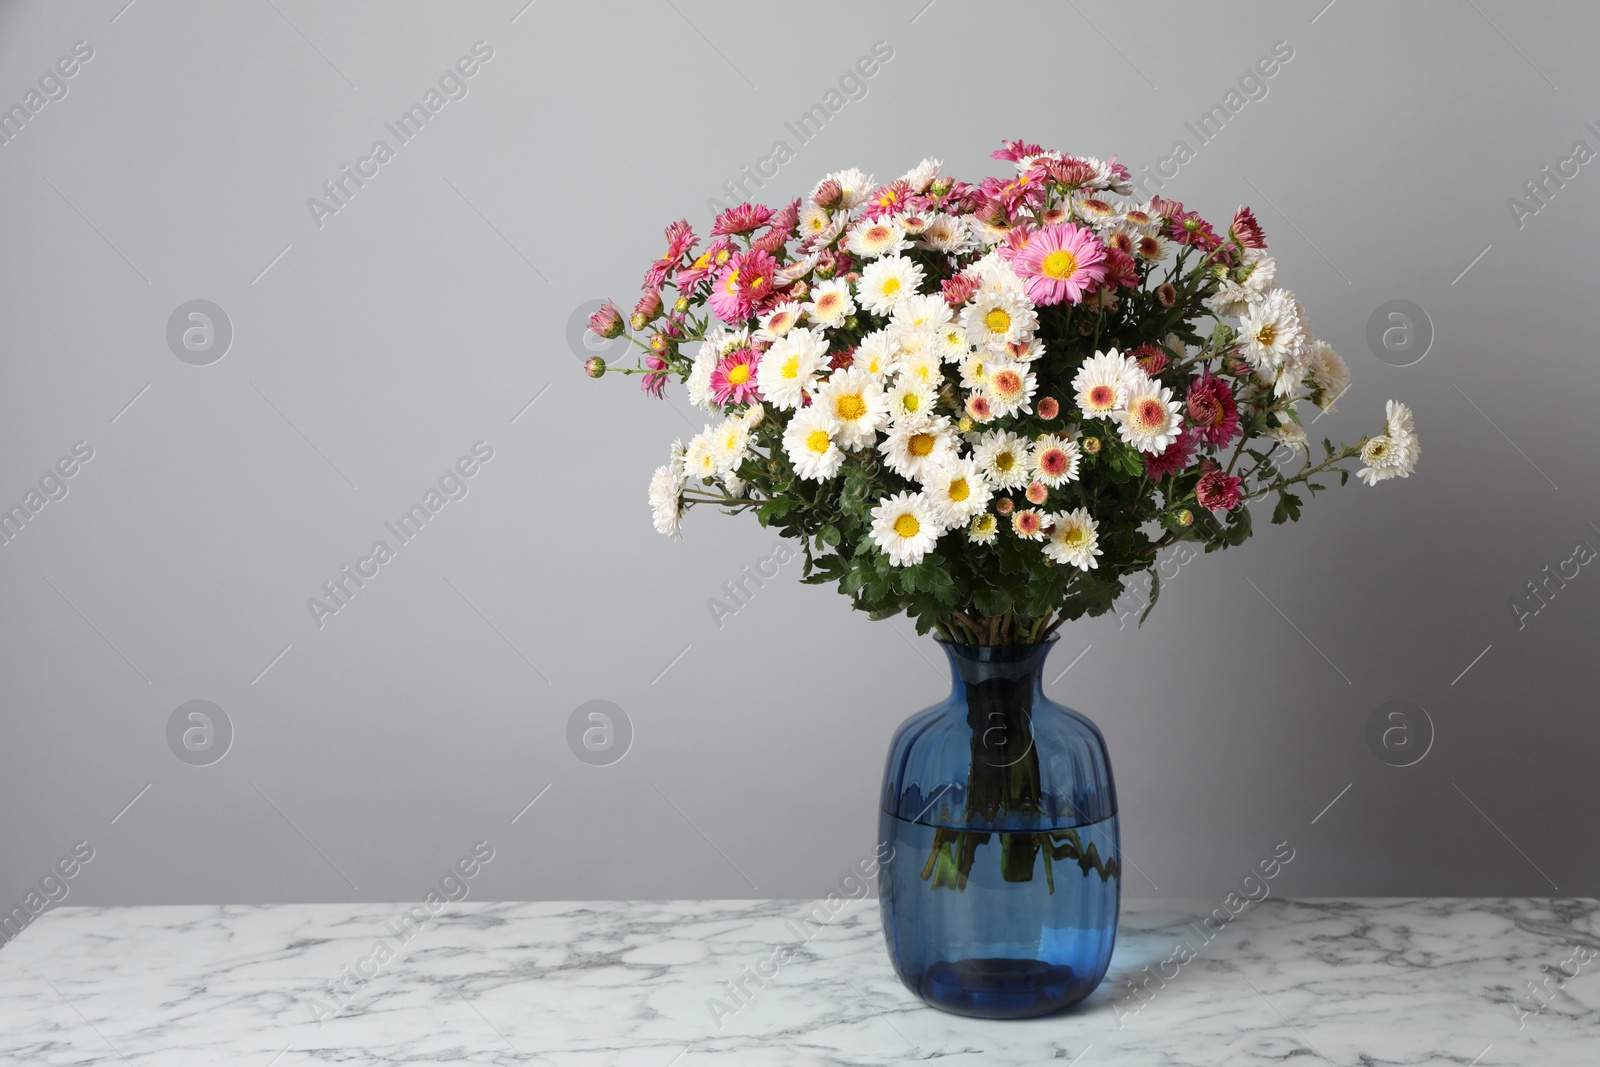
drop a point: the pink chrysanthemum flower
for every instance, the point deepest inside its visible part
(713, 259)
(655, 383)
(1211, 411)
(727, 299)
(1188, 228)
(757, 275)
(959, 290)
(1028, 524)
(1217, 490)
(1151, 359)
(746, 218)
(680, 239)
(1177, 457)
(1011, 151)
(1059, 263)
(888, 199)
(734, 379)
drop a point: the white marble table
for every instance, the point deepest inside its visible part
(1348, 982)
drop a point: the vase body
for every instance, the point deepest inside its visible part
(1001, 894)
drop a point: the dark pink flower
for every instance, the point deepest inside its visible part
(1246, 230)
(708, 263)
(1151, 359)
(959, 290)
(1120, 270)
(746, 218)
(1211, 411)
(757, 274)
(1217, 490)
(1177, 457)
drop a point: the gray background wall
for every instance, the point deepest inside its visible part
(436, 306)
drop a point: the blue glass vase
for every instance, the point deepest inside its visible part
(1001, 892)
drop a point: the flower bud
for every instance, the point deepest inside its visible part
(681, 304)
(1004, 506)
(594, 366)
(638, 321)
(828, 194)
(1037, 492)
(1091, 445)
(1049, 408)
(607, 322)
(941, 185)
(1185, 517)
(648, 307)
(965, 424)
(754, 415)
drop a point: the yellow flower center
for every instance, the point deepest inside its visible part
(791, 367)
(998, 320)
(818, 441)
(891, 286)
(1059, 264)
(911, 402)
(921, 444)
(850, 407)
(755, 283)
(959, 490)
(739, 374)
(1075, 537)
(1266, 335)
(1005, 461)
(907, 526)
(733, 281)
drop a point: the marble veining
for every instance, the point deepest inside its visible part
(1479, 982)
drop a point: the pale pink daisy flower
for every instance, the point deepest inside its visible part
(1059, 264)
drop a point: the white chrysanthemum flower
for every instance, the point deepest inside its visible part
(1330, 375)
(1271, 331)
(1005, 458)
(698, 385)
(1289, 434)
(1103, 382)
(910, 398)
(956, 491)
(921, 176)
(857, 404)
(809, 442)
(950, 341)
(948, 234)
(1101, 214)
(876, 354)
(666, 501)
(787, 371)
(882, 237)
(830, 303)
(924, 367)
(925, 310)
(814, 221)
(913, 447)
(887, 282)
(1075, 539)
(1106, 178)
(1010, 388)
(905, 528)
(996, 317)
(729, 442)
(1143, 217)
(1029, 524)
(913, 344)
(1150, 249)
(1150, 421)
(780, 320)
(1230, 301)
(754, 415)
(912, 223)
(852, 183)
(975, 369)
(984, 529)
(996, 275)
(1393, 453)
(1055, 460)
(700, 457)
(1262, 271)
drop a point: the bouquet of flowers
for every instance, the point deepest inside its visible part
(987, 406)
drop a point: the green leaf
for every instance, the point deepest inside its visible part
(1288, 508)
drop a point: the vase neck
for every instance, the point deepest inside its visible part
(1013, 666)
